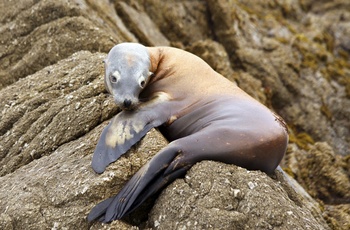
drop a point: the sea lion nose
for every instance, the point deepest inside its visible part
(127, 103)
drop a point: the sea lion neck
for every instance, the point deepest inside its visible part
(155, 55)
(157, 66)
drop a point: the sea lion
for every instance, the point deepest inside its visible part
(202, 114)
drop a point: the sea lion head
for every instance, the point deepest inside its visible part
(127, 73)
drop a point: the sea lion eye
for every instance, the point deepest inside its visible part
(113, 79)
(142, 82)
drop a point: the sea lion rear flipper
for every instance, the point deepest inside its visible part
(118, 136)
(148, 180)
(97, 213)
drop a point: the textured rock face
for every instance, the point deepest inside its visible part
(325, 176)
(229, 198)
(293, 56)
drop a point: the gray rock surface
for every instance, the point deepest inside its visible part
(58, 191)
(230, 198)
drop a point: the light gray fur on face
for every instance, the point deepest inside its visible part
(127, 73)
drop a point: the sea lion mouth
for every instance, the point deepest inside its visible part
(128, 108)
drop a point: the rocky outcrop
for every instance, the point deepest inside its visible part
(231, 198)
(293, 56)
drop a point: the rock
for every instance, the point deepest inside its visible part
(185, 22)
(320, 171)
(229, 197)
(45, 32)
(57, 191)
(338, 216)
(56, 105)
(142, 26)
(325, 176)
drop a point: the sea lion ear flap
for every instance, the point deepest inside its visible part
(106, 62)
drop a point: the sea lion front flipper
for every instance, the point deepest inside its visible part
(125, 129)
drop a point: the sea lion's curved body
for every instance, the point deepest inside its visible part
(201, 113)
